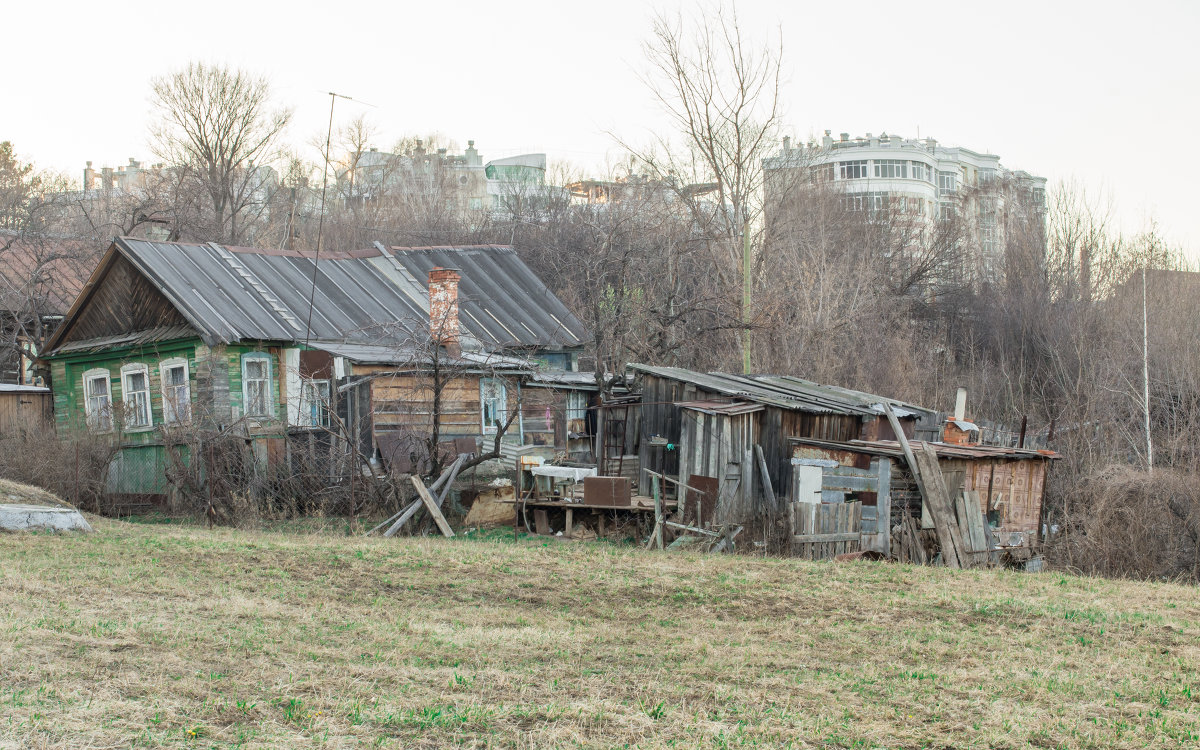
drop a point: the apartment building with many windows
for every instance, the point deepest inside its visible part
(921, 179)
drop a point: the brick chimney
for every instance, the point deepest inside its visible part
(443, 308)
(957, 430)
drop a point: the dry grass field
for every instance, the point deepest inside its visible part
(153, 636)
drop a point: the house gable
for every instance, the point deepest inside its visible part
(121, 301)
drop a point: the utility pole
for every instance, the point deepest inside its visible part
(745, 294)
(1146, 376)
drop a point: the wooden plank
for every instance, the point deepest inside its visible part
(402, 518)
(883, 507)
(692, 529)
(941, 507)
(748, 472)
(791, 527)
(768, 488)
(431, 506)
(832, 536)
(856, 521)
(909, 457)
(849, 484)
(658, 514)
(825, 527)
(448, 478)
(976, 525)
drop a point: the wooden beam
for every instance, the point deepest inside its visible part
(675, 482)
(768, 488)
(692, 529)
(831, 537)
(403, 517)
(941, 507)
(431, 506)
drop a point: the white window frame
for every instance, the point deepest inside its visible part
(103, 412)
(171, 401)
(947, 183)
(312, 398)
(852, 170)
(575, 410)
(501, 413)
(891, 168)
(134, 410)
(265, 358)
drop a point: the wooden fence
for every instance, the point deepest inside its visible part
(822, 530)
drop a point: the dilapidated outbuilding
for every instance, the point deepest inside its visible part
(1004, 485)
(712, 427)
(749, 448)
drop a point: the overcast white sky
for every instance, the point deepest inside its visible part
(1102, 93)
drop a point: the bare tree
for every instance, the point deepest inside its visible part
(722, 93)
(41, 268)
(219, 130)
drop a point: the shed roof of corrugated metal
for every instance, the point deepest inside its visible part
(784, 392)
(12, 388)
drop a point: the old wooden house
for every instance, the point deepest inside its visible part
(372, 346)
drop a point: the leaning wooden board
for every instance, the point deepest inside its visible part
(431, 506)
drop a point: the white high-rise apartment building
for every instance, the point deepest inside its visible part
(918, 178)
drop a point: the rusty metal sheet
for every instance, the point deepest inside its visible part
(610, 492)
(709, 488)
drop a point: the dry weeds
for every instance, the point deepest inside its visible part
(142, 636)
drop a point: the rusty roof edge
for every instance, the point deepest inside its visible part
(944, 450)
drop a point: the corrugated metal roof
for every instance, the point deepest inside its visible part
(10, 388)
(565, 377)
(382, 354)
(501, 301)
(784, 392)
(231, 294)
(836, 394)
(365, 296)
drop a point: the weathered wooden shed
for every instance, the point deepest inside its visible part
(1010, 483)
(692, 419)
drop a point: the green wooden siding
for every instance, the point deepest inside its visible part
(67, 380)
(215, 388)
